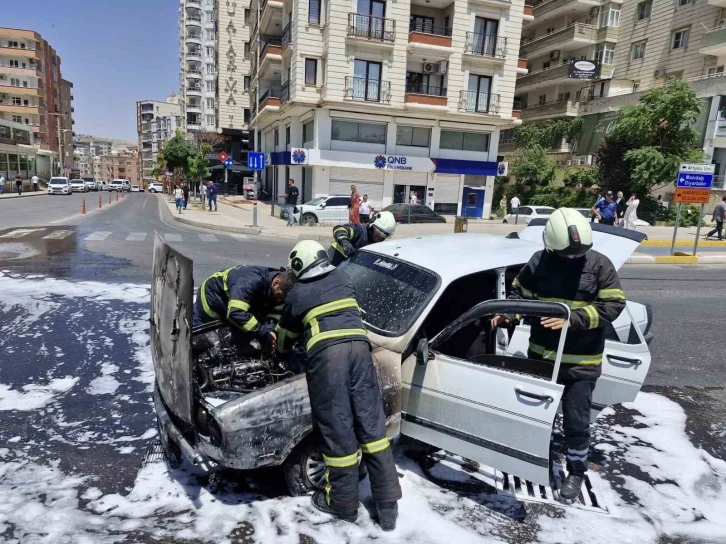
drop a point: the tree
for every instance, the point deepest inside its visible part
(549, 134)
(581, 178)
(532, 166)
(177, 153)
(214, 141)
(199, 163)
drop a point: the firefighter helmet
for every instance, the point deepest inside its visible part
(384, 223)
(308, 259)
(567, 233)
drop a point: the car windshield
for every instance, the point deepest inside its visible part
(87, 179)
(316, 201)
(58, 181)
(543, 211)
(390, 293)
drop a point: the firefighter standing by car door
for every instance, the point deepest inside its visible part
(346, 402)
(353, 236)
(569, 271)
(237, 295)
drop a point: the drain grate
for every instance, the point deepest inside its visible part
(154, 453)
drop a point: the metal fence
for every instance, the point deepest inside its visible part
(472, 101)
(371, 90)
(427, 27)
(486, 45)
(419, 88)
(370, 26)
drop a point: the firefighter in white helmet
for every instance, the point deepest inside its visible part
(354, 236)
(568, 270)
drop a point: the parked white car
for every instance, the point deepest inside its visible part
(59, 186)
(79, 186)
(102, 185)
(120, 185)
(525, 214)
(156, 187)
(91, 184)
(323, 209)
(135, 189)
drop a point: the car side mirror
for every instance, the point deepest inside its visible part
(423, 356)
(322, 205)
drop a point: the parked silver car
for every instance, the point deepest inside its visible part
(447, 379)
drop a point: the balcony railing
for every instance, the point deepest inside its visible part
(486, 45)
(285, 92)
(427, 28)
(270, 93)
(370, 90)
(418, 88)
(370, 26)
(195, 53)
(194, 89)
(191, 36)
(286, 35)
(475, 102)
(194, 18)
(270, 41)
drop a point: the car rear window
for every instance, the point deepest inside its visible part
(544, 211)
(391, 293)
(58, 181)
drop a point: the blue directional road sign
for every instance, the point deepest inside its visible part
(695, 176)
(255, 161)
(229, 163)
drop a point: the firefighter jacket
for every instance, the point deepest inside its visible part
(238, 294)
(590, 287)
(320, 312)
(348, 238)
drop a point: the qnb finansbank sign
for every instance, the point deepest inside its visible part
(372, 161)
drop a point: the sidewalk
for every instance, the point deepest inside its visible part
(236, 215)
(25, 193)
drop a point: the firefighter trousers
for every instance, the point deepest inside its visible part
(348, 413)
(576, 402)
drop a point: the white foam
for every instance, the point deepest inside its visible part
(33, 396)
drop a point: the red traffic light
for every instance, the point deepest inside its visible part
(222, 156)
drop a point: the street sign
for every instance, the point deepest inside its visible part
(684, 195)
(255, 161)
(693, 186)
(69, 167)
(222, 156)
(228, 162)
(695, 176)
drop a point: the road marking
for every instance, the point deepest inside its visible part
(136, 237)
(239, 236)
(98, 236)
(19, 233)
(208, 238)
(172, 238)
(58, 235)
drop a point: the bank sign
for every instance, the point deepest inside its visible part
(392, 162)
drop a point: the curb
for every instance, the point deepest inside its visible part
(682, 243)
(676, 259)
(38, 193)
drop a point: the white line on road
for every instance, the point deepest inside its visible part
(239, 236)
(18, 233)
(172, 237)
(58, 235)
(136, 237)
(208, 238)
(98, 236)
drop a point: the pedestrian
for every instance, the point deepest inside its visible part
(346, 403)
(503, 205)
(569, 271)
(620, 203)
(631, 214)
(606, 209)
(354, 205)
(291, 201)
(34, 181)
(597, 201)
(179, 198)
(212, 195)
(365, 210)
(350, 237)
(2, 184)
(19, 184)
(413, 197)
(203, 193)
(185, 192)
(515, 203)
(719, 212)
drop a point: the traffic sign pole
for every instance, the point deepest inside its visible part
(698, 230)
(675, 229)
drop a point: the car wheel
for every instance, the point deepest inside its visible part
(304, 468)
(308, 220)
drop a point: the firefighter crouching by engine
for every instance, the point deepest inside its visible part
(569, 271)
(237, 295)
(347, 408)
(353, 236)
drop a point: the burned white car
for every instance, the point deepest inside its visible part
(446, 378)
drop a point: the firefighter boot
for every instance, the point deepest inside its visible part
(387, 514)
(321, 504)
(571, 488)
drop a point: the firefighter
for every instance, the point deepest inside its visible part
(321, 312)
(569, 271)
(239, 294)
(354, 236)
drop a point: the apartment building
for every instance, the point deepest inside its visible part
(31, 89)
(156, 123)
(67, 110)
(198, 64)
(122, 165)
(395, 97)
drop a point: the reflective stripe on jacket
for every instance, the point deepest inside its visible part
(354, 233)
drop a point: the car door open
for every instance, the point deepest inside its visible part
(490, 408)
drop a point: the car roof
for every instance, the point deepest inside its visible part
(480, 252)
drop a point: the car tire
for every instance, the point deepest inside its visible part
(308, 220)
(304, 467)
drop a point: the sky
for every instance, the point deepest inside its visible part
(114, 52)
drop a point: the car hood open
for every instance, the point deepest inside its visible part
(172, 291)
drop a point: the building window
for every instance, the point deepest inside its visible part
(276, 138)
(542, 99)
(642, 10)
(246, 115)
(308, 131)
(638, 51)
(314, 12)
(610, 16)
(210, 17)
(247, 50)
(636, 86)
(247, 17)
(680, 39)
(17, 101)
(413, 136)
(17, 119)
(210, 69)
(350, 131)
(685, 2)
(247, 81)
(14, 64)
(210, 35)
(464, 141)
(311, 71)
(210, 120)
(287, 135)
(210, 52)
(210, 102)
(715, 71)
(605, 53)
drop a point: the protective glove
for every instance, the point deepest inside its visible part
(347, 247)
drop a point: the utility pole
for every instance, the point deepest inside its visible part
(61, 164)
(257, 89)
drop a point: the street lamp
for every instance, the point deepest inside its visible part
(61, 162)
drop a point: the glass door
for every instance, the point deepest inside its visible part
(367, 80)
(479, 97)
(369, 22)
(485, 36)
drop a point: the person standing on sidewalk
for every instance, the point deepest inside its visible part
(620, 202)
(203, 193)
(719, 212)
(515, 203)
(185, 192)
(631, 215)
(354, 206)
(212, 195)
(606, 210)
(2, 184)
(35, 180)
(19, 184)
(291, 201)
(179, 198)
(365, 210)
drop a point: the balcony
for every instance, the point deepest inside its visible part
(494, 3)
(555, 74)
(371, 29)
(193, 73)
(194, 90)
(484, 49)
(719, 3)
(574, 36)
(554, 109)
(194, 21)
(271, 50)
(197, 4)
(194, 54)
(19, 91)
(270, 13)
(522, 67)
(271, 98)
(475, 102)
(549, 9)
(8, 107)
(195, 39)
(286, 37)
(429, 36)
(20, 72)
(25, 53)
(527, 14)
(425, 95)
(714, 41)
(368, 90)
(194, 107)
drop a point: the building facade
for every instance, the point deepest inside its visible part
(198, 64)
(398, 98)
(120, 166)
(156, 123)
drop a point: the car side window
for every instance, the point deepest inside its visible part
(337, 202)
(524, 210)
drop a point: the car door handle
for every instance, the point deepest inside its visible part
(628, 360)
(523, 393)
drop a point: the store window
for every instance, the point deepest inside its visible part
(464, 141)
(413, 136)
(350, 131)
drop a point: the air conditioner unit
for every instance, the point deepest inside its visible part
(429, 67)
(658, 73)
(555, 54)
(443, 67)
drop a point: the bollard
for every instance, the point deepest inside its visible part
(116, 197)
(254, 215)
(109, 199)
(122, 195)
(99, 202)
(83, 206)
